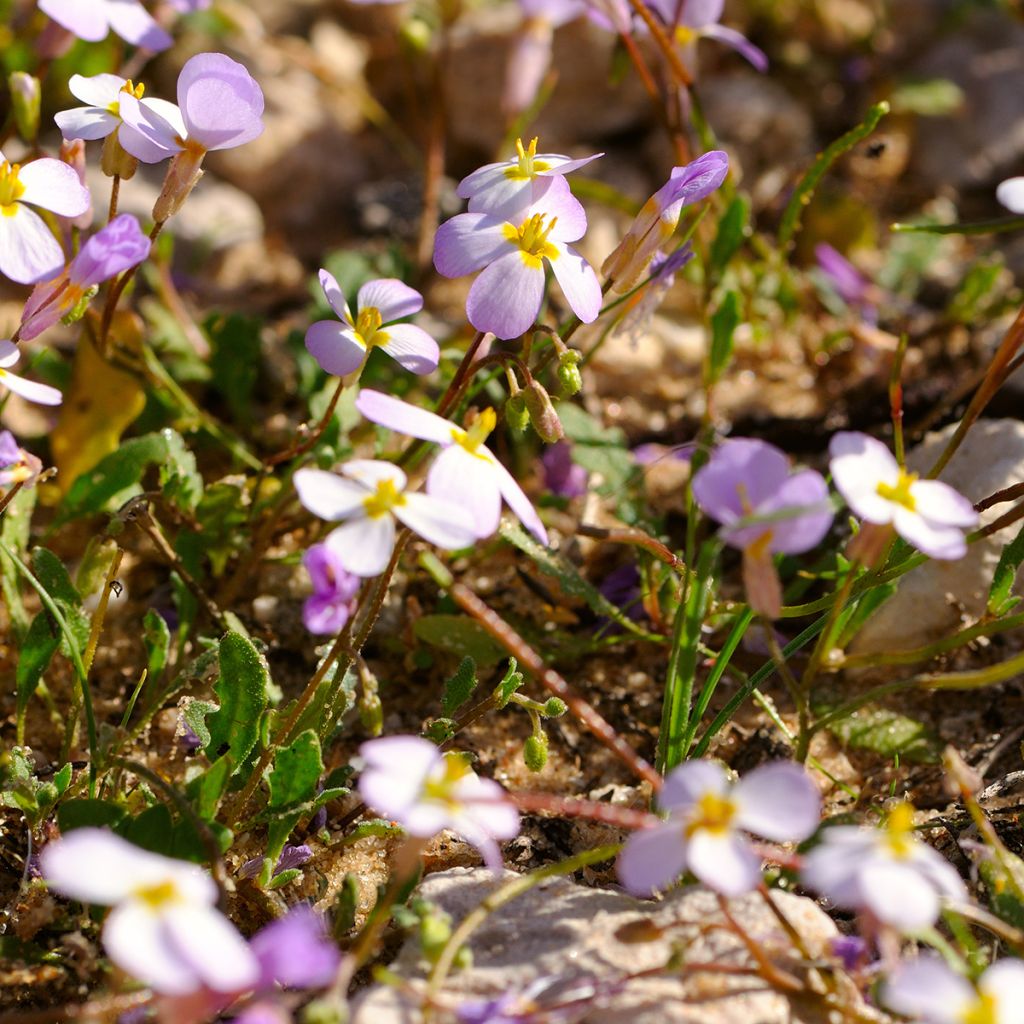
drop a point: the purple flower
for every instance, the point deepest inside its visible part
(850, 950)
(656, 222)
(370, 497)
(188, 738)
(1011, 194)
(561, 475)
(408, 780)
(466, 472)
(926, 513)
(91, 20)
(188, 6)
(341, 349)
(764, 509)
(886, 872)
(10, 453)
(28, 250)
(928, 990)
(291, 857)
(335, 590)
(506, 298)
(506, 189)
(295, 951)
(849, 283)
(220, 106)
(700, 20)
(28, 389)
(640, 307)
(16, 464)
(116, 247)
(701, 834)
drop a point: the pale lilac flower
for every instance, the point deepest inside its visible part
(118, 246)
(849, 283)
(530, 56)
(292, 856)
(370, 497)
(335, 590)
(189, 6)
(700, 19)
(506, 298)
(886, 872)
(165, 928)
(17, 466)
(928, 990)
(294, 951)
(506, 189)
(764, 509)
(928, 514)
(1011, 194)
(466, 472)
(408, 780)
(341, 348)
(656, 222)
(701, 834)
(562, 476)
(220, 106)
(30, 390)
(28, 250)
(640, 308)
(91, 20)
(102, 114)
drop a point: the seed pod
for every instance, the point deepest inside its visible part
(535, 751)
(516, 412)
(542, 413)
(569, 375)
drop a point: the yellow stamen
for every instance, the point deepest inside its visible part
(367, 326)
(984, 1010)
(686, 35)
(478, 433)
(532, 238)
(712, 812)
(440, 787)
(11, 188)
(383, 500)
(527, 165)
(900, 491)
(128, 87)
(899, 830)
(158, 895)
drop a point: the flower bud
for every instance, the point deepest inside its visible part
(535, 751)
(182, 176)
(554, 708)
(25, 96)
(542, 413)
(115, 161)
(569, 375)
(516, 412)
(371, 711)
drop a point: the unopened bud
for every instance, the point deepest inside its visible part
(371, 711)
(182, 176)
(554, 708)
(535, 751)
(542, 413)
(569, 375)
(115, 161)
(25, 96)
(435, 931)
(516, 413)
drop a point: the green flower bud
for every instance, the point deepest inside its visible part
(81, 306)
(25, 96)
(516, 412)
(554, 708)
(435, 931)
(535, 751)
(542, 413)
(569, 375)
(116, 161)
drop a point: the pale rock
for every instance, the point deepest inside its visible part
(939, 597)
(565, 930)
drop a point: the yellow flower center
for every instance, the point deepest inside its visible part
(11, 188)
(527, 166)
(129, 87)
(899, 830)
(478, 433)
(383, 500)
(713, 812)
(686, 35)
(440, 787)
(532, 238)
(984, 1010)
(158, 895)
(367, 326)
(899, 493)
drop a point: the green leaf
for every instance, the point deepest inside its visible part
(155, 829)
(51, 574)
(195, 714)
(509, 684)
(87, 813)
(459, 688)
(14, 534)
(179, 477)
(598, 449)
(724, 322)
(37, 649)
(157, 639)
(211, 786)
(440, 730)
(242, 689)
(933, 97)
(459, 635)
(732, 229)
(1000, 600)
(297, 770)
(887, 733)
(235, 356)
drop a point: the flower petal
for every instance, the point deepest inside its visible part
(687, 783)
(468, 242)
(334, 295)
(520, 504)
(898, 895)
(652, 859)
(437, 520)
(738, 42)
(54, 186)
(505, 299)
(412, 348)
(391, 297)
(927, 989)
(136, 940)
(397, 768)
(470, 482)
(723, 861)
(220, 101)
(328, 495)
(578, 282)
(28, 250)
(134, 24)
(778, 801)
(9, 353)
(937, 540)
(337, 349)
(858, 464)
(94, 866)
(940, 503)
(88, 21)
(150, 132)
(1011, 194)
(805, 494)
(371, 472)
(86, 123)
(395, 414)
(211, 945)
(364, 545)
(30, 390)
(96, 90)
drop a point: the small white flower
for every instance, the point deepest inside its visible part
(1011, 194)
(165, 928)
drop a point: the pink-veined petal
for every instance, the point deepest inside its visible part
(940, 503)
(470, 482)
(395, 414)
(96, 90)
(391, 297)
(28, 250)
(211, 945)
(30, 390)
(778, 801)
(328, 495)
(88, 20)
(222, 104)
(723, 861)
(437, 520)
(337, 349)
(652, 859)
(687, 783)
(558, 202)
(364, 545)
(54, 186)
(505, 299)
(334, 295)
(412, 348)
(516, 499)
(135, 25)
(936, 540)
(928, 990)
(578, 282)
(86, 123)
(468, 242)
(136, 940)
(371, 472)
